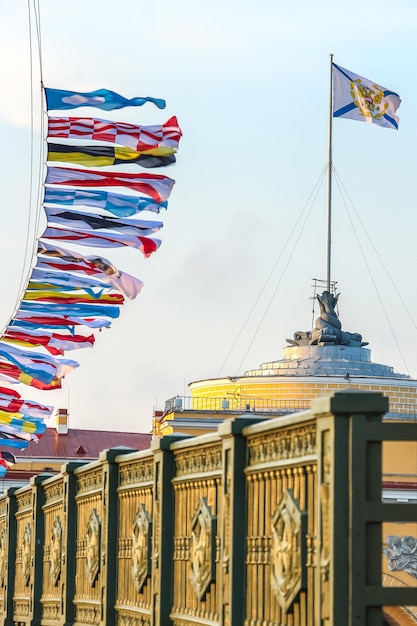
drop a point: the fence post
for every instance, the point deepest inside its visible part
(9, 564)
(109, 540)
(163, 530)
(70, 512)
(38, 498)
(336, 543)
(233, 531)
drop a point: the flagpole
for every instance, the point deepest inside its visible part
(329, 184)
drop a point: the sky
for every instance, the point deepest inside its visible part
(245, 231)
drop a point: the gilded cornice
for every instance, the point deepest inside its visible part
(199, 460)
(136, 473)
(291, 444)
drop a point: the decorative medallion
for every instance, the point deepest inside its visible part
(401, 553)
(55, 551)
(27, 553)
(141, 547)
(92, 552)
(286, 552)
(369, 98)
(203, 548)
(3, 562)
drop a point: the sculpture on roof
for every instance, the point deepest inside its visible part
(328, 328)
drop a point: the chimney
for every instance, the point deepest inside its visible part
(62, 422)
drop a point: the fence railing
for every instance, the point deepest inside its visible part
(247, 404)
(404, 411)
(243, 527)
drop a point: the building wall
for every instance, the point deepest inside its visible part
(402, 394)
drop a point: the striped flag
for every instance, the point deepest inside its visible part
(7, 459)
(138, 138)
(54, 257)
(55, 343)
(63, 281)
(93, 221)
(78, 309)
(20, 423)
(12, 442)
(103, 240)
(11, 393)
(8, 372)
(18, 404)
(119, 204)
(104, 156)
(33, 319)
(46, 295)
(41, 366)
(156, 186)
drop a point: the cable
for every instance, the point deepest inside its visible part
(316, 187)
(33, 217)
(379, 257)
(37, 11)
(372, 278)
(42, 148)
(31, 161)
(315, 191)
(276, 289)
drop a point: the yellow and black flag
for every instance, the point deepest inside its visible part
(101, 156)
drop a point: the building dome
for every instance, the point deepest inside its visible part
(317, 362)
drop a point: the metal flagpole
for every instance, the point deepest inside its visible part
(329, 185)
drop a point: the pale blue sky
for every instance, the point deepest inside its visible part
(249, 84)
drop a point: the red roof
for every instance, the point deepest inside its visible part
(81, 444)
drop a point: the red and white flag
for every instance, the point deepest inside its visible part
(140, 138)
(157, 186)
(105, 240)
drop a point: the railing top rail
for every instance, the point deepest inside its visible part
(134, 456)
(294, 419)
(199, 441)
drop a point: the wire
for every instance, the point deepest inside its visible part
(279, 282)
(42, 148)
(37, 12)
(379, 256)
(34, 204)
(313, 192)
(315, 189)
(343, 196)
(371, 276)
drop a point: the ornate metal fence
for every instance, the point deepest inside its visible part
(265, 523)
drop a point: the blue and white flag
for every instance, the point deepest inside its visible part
(116, 203)
(360, 99)
(59, 99)
(11, 443)
(37, 320)
(79, 310)
(66, 281)
(41, 366)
